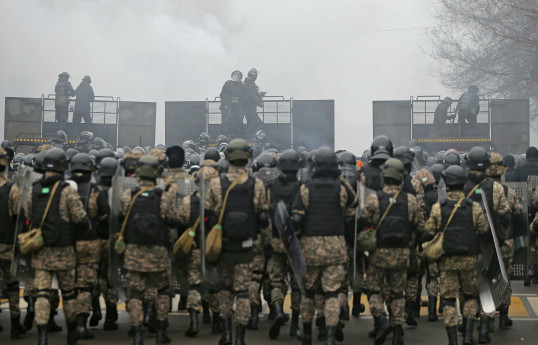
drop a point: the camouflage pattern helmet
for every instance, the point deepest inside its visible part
(238, 152)
(394, 169)
(130, 160)
(148, 167)
(497, 168)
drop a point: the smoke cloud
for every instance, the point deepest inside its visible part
(351, 51)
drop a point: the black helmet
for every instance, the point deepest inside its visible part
(437, 169)
(193, 159)
(82, 162)
(454, 175)
(38, 161)
(394, 169)
(70, 153)
(29, 160)
(237, 71)
(93, 153)
(148, 167)
(60, 136)
(289, 161)
(253, 73)
(55, 160)
(64, 75)
(212, 153)
(405, 155)
(325, 159)
(477, 158)
(381, 147)
(108, 167)
(222, 139)
(347, 158)
(102, 154)
(223, 165)
(265, 160)
(452, 158)
(473, 89)
(238, 152)
(204, 138)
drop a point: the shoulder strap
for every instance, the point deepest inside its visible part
(475, 188)
(453, 212)
(391, 201)
(234, 183)
(124, 224)
(48, 203)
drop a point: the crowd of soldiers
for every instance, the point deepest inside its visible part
(332, 200)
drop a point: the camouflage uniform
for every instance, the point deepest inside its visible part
(235, 269)
(389, 263)
(458, 272)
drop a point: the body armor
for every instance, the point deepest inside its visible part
(239, 223)
(324, 216)
(145, 225)
(394, 231)
(460, 236)
(285, 190)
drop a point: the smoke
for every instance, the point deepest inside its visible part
(351, 51)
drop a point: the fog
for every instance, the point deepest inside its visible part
(351, 51)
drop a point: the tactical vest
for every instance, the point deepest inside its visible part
(7, 223)
(239, 223)
(285, 191)
(56, 231)
(487, 187)
(84, 190)
(394, 231)
(324, 215)
(460, 236)
(430, 198)
(145, 224)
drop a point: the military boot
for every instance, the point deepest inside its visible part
(294, 325)
(216, 326)
(322, 328)
(432, 308)
(137, 334)
(226, 338)
(274, 331)
(52, 326)
(504, 321)
(82, 331)
(339, 332)
(30, 313)
(305, 335)
(149, 316)
(96, 315)
(452, 334)
(111, 317)
(440, 310)
(384, 329)
(468, 329)
(254, 317)
(42, 338)
(344, 312)
(397, 335)
(483, 330)
(17, 330)
(72, 333)
(240, 334)
(358, 307)
(206, 318)
(331, 332)
(162, 338)
(409, 312)
(193, 327)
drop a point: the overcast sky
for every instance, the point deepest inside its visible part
(351, 51)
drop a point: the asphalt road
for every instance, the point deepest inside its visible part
(524, 312)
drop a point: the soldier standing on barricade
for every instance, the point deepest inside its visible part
(63, 90)
(245, 212)
(9, 208)
(495, 171)
(65, 219)
(285, 187)
(398, 219)
(477, 160)
(88, 244)
(147, 214)
(462, 221)
(319, 210)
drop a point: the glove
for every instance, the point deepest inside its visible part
(263, 219)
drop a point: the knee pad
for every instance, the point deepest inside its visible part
(68, 295)
(241, 294)
(311, 294)
(136, 294)
(45, 293)
(165, 291)
(330, 294)
(451, 302)
(468, 297)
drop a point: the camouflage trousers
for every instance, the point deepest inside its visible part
(396, 282)
(279, 269)
(87, 280)
(256, 280)
(412, 283)
(31, 291)
(139, 283)
(431, 270)
(329, 279)
(451, 283)
(194, 279)
(43, 283)
(109, 293)
(235, 279)
(12, 288)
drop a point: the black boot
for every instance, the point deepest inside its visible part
(331, 332)
(373, 332)
(193, 328)
(432, 308)
(96, 315)
(409, 315)
(305, 335)
(111, 317)
(52, 327)
(206, 318)
(216, 326)
(137, 334)
(226, 338)
(271, 316)
(468, 328)
(339, 332)
(358, 307)
(322, 328)
(42, 338)
(274, 331)
(240, 335)
(162, 338)
(82, 330)
(344, 313)
(483, 330)
(504, 321)
(30, 313)
(17, 330)
(417, 306)
(384, 329)
(294, 325)
(452, 334)
(72, 333)
(254, 318)
(149, 316)
(440, 310)
(397, 335)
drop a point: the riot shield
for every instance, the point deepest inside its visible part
(441, 190)
(532, 268)
(21, 266)
(494, 285)
(521, 236)
(267, 174)
(348, 172)
(291, 242)
(184, 187)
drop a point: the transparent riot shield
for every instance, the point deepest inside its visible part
(521, 236)
(267, 174)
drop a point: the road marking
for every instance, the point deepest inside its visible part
(533, 302)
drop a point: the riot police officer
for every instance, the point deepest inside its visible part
(253, 99)
(232, 97)
(63, 90)
(381, 150)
